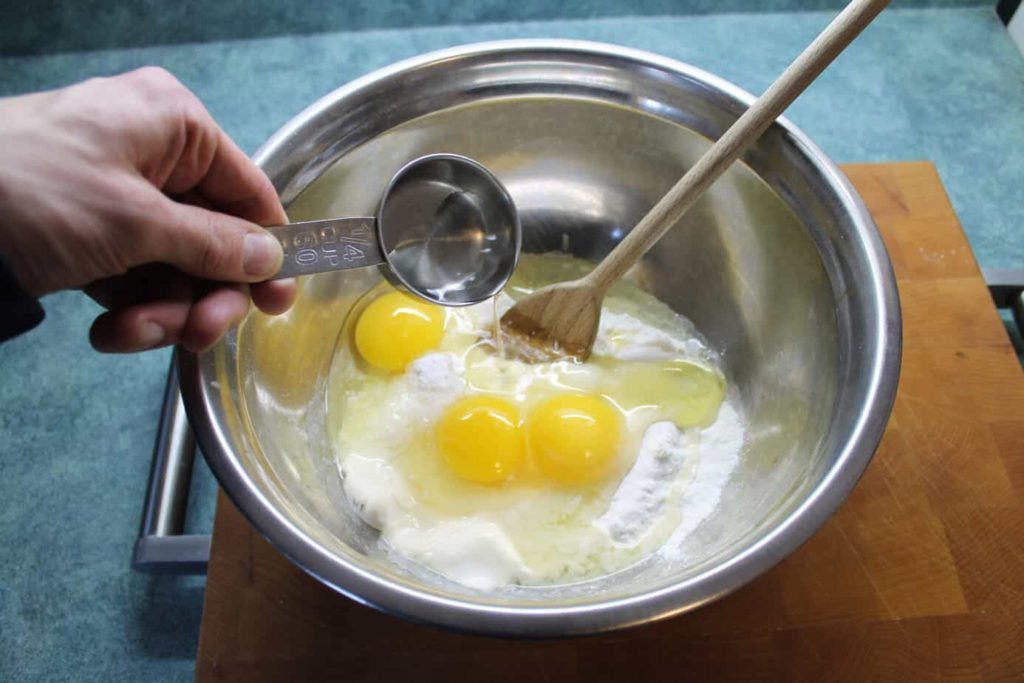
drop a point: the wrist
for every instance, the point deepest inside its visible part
(23, 195)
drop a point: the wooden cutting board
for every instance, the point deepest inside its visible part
(920, 575)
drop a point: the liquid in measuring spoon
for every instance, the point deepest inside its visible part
(449, 250)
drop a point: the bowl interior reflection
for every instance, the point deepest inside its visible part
(740, 265)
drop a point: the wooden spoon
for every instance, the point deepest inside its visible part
(562, 320)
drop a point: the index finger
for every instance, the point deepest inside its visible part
(210, 165)
(234, 184)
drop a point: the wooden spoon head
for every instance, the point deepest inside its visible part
(555, 322)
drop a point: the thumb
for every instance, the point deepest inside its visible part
(215, 246)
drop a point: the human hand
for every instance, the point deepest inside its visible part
(127, 188)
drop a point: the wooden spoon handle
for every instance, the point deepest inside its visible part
(801, 73)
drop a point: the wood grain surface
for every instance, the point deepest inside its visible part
(919, 576)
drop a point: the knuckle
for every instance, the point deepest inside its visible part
(215, 255)
(155, 79)
(161, 90)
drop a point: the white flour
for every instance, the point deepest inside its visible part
(666, 459)
(720, 447)
(437, 374)
(640, 499)
(674, 485)
(622, 336)
(472, 552)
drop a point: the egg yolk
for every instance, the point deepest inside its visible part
(480, 439)
(573, 437)
(395, 329)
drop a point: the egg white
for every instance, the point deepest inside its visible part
(486, 537)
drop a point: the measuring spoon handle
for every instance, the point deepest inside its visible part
(327, 245)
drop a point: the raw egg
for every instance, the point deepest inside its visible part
(481, 440)
(491, 470)
(574, 437)
(395, 329)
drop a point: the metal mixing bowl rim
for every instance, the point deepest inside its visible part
(461, 614)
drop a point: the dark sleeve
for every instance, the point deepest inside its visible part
(19, 312)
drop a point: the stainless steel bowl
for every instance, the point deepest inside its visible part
(779, 265)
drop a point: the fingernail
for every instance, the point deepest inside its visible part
(260, 254)
(150, 334)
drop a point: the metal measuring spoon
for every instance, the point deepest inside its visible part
(446, 229)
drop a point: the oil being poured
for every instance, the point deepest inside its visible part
(496, 328)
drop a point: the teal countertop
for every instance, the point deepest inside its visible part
(77, 428)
